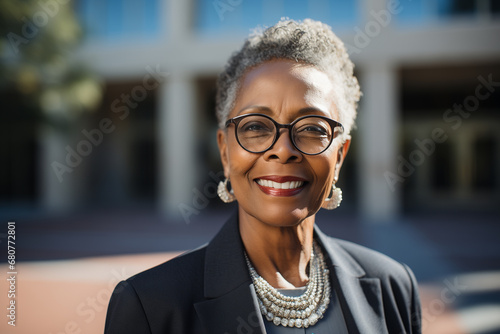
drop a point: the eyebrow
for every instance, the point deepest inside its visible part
(267, 111)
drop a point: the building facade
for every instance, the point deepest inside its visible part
(428, 136)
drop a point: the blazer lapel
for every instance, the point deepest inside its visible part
(231, 305)
(360, 298)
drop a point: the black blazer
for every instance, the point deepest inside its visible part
(209, 290)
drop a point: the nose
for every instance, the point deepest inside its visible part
(283, 150)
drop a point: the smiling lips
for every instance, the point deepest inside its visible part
(281, 185)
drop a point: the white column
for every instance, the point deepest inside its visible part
(378, 126)
(176, 143)
(57, 180)
(179, 18)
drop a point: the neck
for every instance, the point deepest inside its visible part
(279, 254)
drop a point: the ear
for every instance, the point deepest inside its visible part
(222, 143)
(341, 154)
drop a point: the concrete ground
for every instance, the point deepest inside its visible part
(68, 265)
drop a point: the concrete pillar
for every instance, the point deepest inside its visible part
(366, 6)
(176, 143)
(378, 127)
(57, 179)
(179, 18)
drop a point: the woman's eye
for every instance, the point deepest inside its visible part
(313, 130)
(255, 127)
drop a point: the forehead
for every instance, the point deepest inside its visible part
(286, 86)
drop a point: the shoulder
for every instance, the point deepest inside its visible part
(159, 299)
(373, 262)
(181, 269)
(171, 285)
(376, 265)
(394, 282)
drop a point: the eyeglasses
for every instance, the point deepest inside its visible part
(311, 135)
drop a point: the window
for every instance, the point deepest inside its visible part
(495, 7)
(462, 171)
(484, 167)
(448, 8)
(119, 19)
(443, 170)
(423, 10)
(238, 16)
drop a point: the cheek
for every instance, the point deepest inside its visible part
(241, 161)
(324, 168)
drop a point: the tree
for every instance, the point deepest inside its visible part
(37, 41)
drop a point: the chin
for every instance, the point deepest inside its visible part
(280, 216)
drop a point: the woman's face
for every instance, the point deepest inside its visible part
(285, 91)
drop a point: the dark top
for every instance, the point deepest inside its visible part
(209, 290)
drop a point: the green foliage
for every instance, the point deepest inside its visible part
(38, 41)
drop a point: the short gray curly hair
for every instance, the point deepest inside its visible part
(306, 41)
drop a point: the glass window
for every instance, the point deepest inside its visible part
(443, 168)
(448, 8)
(118, 19)
(423, 10)
(413, 11)
(484, 167)
(238, 16)
(495, 6)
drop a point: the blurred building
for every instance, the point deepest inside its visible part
(428, 137)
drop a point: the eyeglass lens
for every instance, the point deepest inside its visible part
(311, 135)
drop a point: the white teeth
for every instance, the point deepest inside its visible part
(284, 185)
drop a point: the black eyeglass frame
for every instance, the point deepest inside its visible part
(236, 120)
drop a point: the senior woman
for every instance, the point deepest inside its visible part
(286, 103)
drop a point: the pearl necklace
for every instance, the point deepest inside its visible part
(301, 311)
